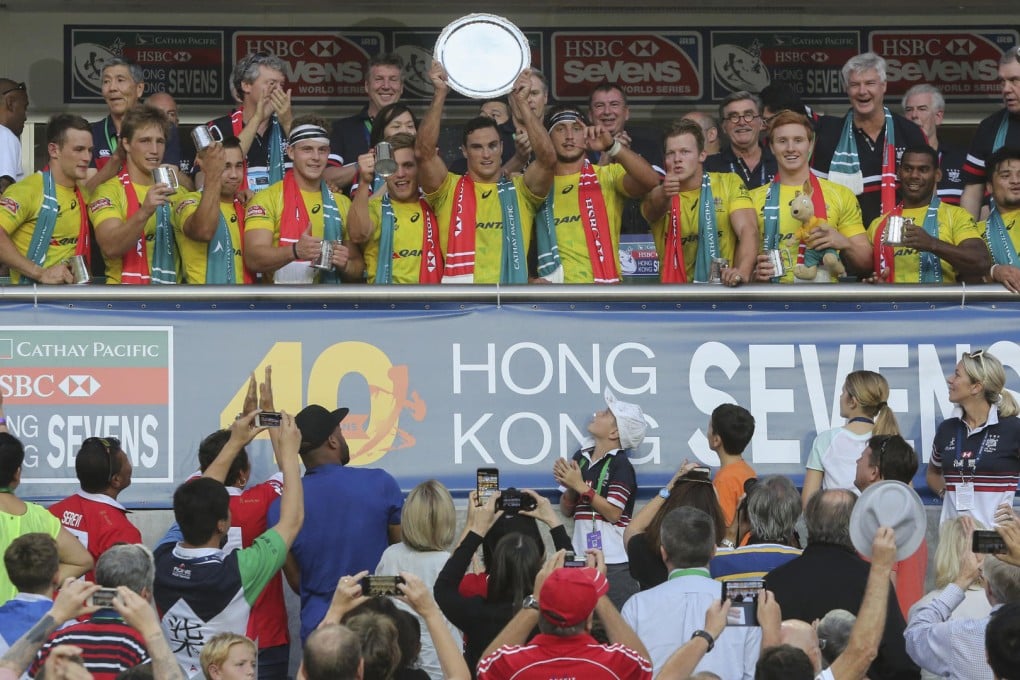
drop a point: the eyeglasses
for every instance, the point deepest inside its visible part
(19, 86)
(881, 455)
(746, 117)
(111, 446)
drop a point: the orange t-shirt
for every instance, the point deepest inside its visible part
(729, 487)
(910, 575)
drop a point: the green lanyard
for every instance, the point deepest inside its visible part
(693, 571)
(6, 489)
(602, 473)
(111, 141)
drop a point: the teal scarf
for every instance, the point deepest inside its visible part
(997, 237)
(44, 224)
(514, 268)
(332, 229)
(931, 265)
(275, 151)
(219, 268)
(845, 168)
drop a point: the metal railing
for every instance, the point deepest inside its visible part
(353, 296)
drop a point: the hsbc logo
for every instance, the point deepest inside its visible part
(325, 48)
(182, 57)
(46, 385)
(643, 48)
(820, 57)
(961, 47)
(79, 386)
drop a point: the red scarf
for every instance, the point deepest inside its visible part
(135, 262)
(431, 267)
(592, 208)
(294, 220)
(460, 250)
(674, 269)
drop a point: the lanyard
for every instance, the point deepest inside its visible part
(860, 419)
(111, 140)
(745, 169)
(693, 571)
(961, 434)
(603, 473)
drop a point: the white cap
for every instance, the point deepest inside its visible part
(630, 421)
(889, 504)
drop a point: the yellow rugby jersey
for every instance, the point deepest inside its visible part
(571, 234)
(195, 254)
(19, 211)
(841, 208)
(109, 201)
(408, 230)
(489, 220)
(1009, 219)
(729, 194)
(955, 226)
(265, 211)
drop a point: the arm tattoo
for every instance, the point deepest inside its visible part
(21, 653)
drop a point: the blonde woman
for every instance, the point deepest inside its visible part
(427, 522)
(832, 463)
(975, 460)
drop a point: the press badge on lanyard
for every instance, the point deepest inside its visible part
(594, 537)
(965, 489)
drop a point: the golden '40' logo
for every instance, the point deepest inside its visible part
(370, 435)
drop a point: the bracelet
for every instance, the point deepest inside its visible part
(991, 271)
(614, 149)
(293, 247)
(706, 636)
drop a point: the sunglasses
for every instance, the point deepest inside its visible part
(110, 445)
(19, 86)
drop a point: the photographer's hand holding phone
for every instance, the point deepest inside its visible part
(480, 518)
(770, 616)
(970, 563)
(414, 591)
(347, 595)
(552, 564)
(715, 617)
(243, 430)
(137, 612)
(1008, 526)
(286, 438)
(74, 599)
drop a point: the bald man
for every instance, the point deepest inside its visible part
(13, 113)
(179, 150)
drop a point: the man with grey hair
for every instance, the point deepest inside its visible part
(955, 648)
(740, 113)
(670, 614)
(123, 85)
(924, 105)
(862, 149)
(262, 119)
(830, 575)
(1001, 129)
(772, 507)
(108, 644)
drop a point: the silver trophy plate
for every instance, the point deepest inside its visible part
(483, 54)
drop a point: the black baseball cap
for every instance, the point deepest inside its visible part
(316, 424)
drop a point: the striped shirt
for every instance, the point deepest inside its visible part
(108, 645)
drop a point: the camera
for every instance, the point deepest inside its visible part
(571, 560)
(268, 419)
(512, 501)
(103, 597)
(988, 542)
(376, 585)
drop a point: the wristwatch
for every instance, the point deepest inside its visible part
(531, 602)
(586, 497)
(664, 493)
(706, 636)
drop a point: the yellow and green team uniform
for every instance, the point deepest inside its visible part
(1010, 219)
(489, 221)
(408, 228)
(108, 201)
(842, 210)
(729, 194)
(265, 211)
(19, 210)
(195, 254)
(571, 234)
(955, 226)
